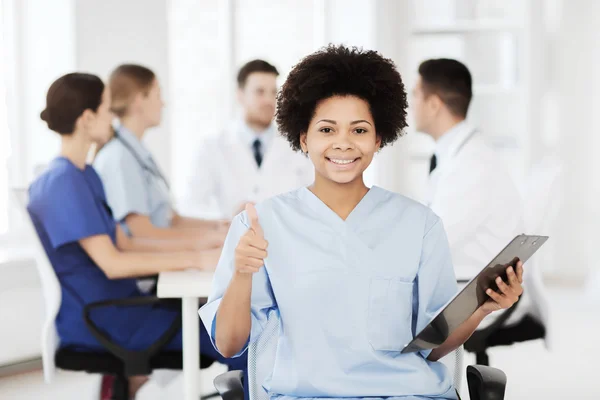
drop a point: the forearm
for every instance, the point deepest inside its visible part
(459, 336)
(180, 222)
(159, 245)
(141, 227)
(138, 264)
(234, 316)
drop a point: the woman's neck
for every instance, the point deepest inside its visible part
(135, 126)
(75, 148)
(342, 198)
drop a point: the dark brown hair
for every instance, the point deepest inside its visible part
(125, 83)
(252, 67)
(68, 97)
(451, 81)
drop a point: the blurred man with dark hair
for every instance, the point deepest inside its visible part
(249, 162)
(469, 187)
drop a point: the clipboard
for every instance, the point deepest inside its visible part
(473, 295)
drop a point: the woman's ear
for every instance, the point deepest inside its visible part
(303, 144)
(85, 119)
(377, 143)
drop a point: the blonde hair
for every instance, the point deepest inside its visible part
(125, 83)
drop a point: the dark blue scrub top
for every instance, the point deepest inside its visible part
(68, 204)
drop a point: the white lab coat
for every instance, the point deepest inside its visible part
(225, 174)
(481, 208)
(473, 193)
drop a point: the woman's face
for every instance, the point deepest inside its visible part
(151, 105)
(99, 123)
(341, 139)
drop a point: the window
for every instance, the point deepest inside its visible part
(29, 62)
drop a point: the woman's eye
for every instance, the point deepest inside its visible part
(326, 130)
(360, 130)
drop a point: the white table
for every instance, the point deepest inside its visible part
(188, 286)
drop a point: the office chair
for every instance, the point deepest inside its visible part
(116, 361)
(485, 383)
(497, 334)
(542, 203)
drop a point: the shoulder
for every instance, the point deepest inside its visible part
(61, 179)
(219, 140)
(93, 177)
(275, 208)
(480, 161)
(478, 151)
(398, 200)
(59, 172)
(402, 210)
(113, 153)
(115, 162)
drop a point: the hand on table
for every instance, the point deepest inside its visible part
(208, 259)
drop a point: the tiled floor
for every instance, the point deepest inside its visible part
(569, 371)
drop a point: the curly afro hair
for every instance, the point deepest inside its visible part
(342, 71)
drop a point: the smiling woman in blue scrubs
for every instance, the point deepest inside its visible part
(354, 272)
(93, 259)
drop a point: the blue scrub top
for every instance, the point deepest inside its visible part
(350, 295)
(68, 204)
(134, 184)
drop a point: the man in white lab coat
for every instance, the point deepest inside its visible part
(469, 187)
(249, 161)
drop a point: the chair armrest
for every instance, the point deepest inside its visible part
(486, 383)
(230, 385)
(136, 362)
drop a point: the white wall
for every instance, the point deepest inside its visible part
(45, 52)
(576, 57)
(112, 32)
(199, 74)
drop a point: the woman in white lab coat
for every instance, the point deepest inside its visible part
(137, 191)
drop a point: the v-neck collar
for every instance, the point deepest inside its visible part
(359, 213)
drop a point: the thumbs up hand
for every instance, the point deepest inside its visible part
(252, 247)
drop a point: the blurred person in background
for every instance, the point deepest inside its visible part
(249, 161)
(137, 190)
(470, 187)
(93, 258)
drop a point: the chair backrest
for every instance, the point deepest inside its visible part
(261, 359)
(50, 287)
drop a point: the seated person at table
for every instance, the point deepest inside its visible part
(352, 271)
(137, 190)
(93, 259)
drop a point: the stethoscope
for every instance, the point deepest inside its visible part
(153, 171)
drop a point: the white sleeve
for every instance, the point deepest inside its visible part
(203, 185)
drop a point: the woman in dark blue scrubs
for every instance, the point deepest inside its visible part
(93, 259)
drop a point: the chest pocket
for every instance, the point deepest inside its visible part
(390, 313)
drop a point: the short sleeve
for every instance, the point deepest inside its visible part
(70, 212)
(124, 183)
(436, 282)
(262, 294)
